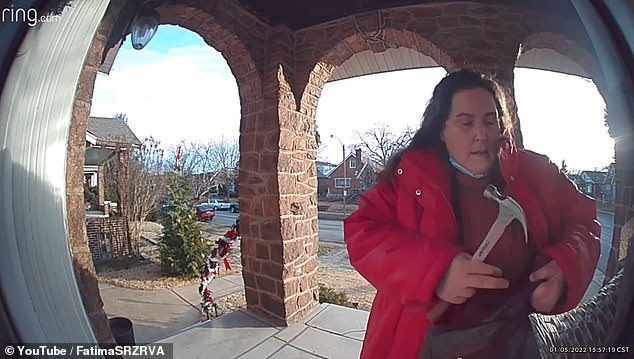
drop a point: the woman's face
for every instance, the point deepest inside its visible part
(472, 131)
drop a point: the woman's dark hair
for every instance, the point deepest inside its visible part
(438, 108)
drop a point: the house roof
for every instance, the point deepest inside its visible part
(111, 130)
(365, 164)
(324, 168)
(610, 176)
(595, 176)
(320, 173)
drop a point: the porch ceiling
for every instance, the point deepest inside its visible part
(368, 62)
(97, 156)
(300, 14)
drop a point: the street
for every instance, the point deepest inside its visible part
(607, 227)
(332, 231)
(329, 231)
(225, 218)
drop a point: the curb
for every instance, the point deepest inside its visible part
(332, 216)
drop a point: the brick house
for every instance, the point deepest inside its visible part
(591, 183)
(107, 139)
(600, 185)
(360, 175)
(323, 170)
(609, 186)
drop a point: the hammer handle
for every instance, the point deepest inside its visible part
(437, 311)
(441, 307)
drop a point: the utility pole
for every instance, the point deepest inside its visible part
(345, 182)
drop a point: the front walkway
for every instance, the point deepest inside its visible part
(330, 331)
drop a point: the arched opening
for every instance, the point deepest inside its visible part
(571, 130)
(355, 77)
(181, 100)
(588, 99)
(214, 33)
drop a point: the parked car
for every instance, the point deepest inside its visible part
(218, 204)
(234, 207)
(205, 212)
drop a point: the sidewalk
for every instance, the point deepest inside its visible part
(157, 314)
(173, 316)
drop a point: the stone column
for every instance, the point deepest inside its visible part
(501, 68)
(622, 129)
(278, 183)
(78, 237)
(487, 51)
(624, 208)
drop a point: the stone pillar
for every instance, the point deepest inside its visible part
(279, 256)
(624, 208)
(78, 238)
(487, 51)
(621, 127)
(502, 71)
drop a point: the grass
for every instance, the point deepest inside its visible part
(330, 295)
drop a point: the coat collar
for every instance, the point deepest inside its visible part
(432, 168)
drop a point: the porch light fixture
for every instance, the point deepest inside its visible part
(144, 27)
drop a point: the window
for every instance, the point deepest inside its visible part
(339, 182)
(353, 163)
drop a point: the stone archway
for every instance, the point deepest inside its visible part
(569, 49)
(331, 56)
(208, 23)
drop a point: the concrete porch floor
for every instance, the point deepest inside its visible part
(330, 331)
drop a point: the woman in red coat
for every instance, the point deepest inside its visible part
(415, 231)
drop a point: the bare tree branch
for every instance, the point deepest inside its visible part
(379, 143)
(206, 165)
(135, 178)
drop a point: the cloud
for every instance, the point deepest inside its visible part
(186, 93)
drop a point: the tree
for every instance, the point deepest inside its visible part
(379, 143)
(121, 116)
(186, 162)
(182, 249)
(206, 165)
(225, 157)
(135, 181)
(564, 167)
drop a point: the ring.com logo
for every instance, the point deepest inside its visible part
(27, 16)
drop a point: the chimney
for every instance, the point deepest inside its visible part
(358, 156)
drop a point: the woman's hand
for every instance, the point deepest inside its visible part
(547, 294)
(464, 276)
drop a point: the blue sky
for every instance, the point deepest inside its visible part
(178, 88)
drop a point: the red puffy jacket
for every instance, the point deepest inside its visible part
(404, 236)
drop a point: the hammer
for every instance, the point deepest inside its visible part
(509, 210)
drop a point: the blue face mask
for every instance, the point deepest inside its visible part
(460, 168)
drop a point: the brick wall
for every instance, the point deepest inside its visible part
(106, 238)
